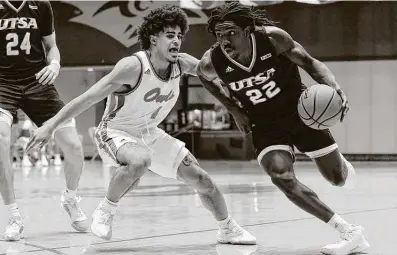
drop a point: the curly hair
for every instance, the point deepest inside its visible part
(158, 19)
(242, 15)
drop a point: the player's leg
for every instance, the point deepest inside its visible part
(40, 104)
(117, 149)
(321, 147)
(9, 99)
(171, 159)
(190, 172)
(277, 161)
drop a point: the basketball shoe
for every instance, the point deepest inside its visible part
(232, 233)
(71, 206)
(352, 241)
(102, 219)
(14, 229)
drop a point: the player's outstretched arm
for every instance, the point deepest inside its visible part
(188, 64)
(207, 76)
(126, 71)
(285, 45)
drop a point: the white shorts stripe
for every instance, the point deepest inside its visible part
(322, 152)
(274, 148)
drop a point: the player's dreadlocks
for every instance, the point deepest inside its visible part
(242, 15)
(158, 19)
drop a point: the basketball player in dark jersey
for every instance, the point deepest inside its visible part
(29, 64)
(258, 63)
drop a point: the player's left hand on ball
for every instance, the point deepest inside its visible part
(48, 74)
(39, 138)
(345, 104)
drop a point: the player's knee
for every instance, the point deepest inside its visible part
(137, 167)
(74, 151)
(280, 170)
(276, 163)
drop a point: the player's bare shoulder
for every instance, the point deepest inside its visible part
(188, 63)
(128, 71)
(206, 68)
(43, 4)
(280, 39)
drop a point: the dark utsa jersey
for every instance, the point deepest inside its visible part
(21, 30)
(269, 88)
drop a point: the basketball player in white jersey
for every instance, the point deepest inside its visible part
(142, 89)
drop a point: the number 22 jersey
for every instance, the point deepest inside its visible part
(21, 30)
(269, 88)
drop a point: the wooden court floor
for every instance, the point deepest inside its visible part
(164, 216)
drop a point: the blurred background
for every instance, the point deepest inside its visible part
(356, 39)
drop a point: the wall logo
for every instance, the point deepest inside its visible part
(120, 19)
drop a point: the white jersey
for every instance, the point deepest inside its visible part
(147, 105)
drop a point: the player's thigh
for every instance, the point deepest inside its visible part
(41, 103)
(118, 148)
(321, 147)
(167, 154)
(10, 98)
(68, 140)
(268, 138)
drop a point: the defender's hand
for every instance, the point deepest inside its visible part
(48, 74)
(39, 138)
(345, 104)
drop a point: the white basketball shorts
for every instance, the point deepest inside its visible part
(166, 151)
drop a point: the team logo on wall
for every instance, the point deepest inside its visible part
(120, 19)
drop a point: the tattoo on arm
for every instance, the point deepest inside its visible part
(188, 160)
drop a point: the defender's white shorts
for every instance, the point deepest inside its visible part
(166, 151)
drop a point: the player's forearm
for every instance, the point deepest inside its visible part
(321, 74)
(230, 105)
(53, 54)
(71, 110)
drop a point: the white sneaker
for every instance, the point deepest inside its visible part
(234, 234)
(14, 229)
(71, 206)
(57, 160)
(44, 161)
(352, 241)
(101, 225)
(26, 161)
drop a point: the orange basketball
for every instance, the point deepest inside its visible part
(320, 106)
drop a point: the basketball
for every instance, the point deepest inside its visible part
(320, 106)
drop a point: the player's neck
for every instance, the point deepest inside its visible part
(245, 57)
(160, 65)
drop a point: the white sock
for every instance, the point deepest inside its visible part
(224, 223)
(13, 210)
(109, 205)
(338, 223)
(69, 194)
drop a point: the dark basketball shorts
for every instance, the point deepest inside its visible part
(39, 102)
(286, 133)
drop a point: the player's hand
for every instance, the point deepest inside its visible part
(40, 137)
(48, 74)
(345, 104)
(242, 121)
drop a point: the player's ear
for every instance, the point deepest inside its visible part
(153, 40)
(247, 31)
